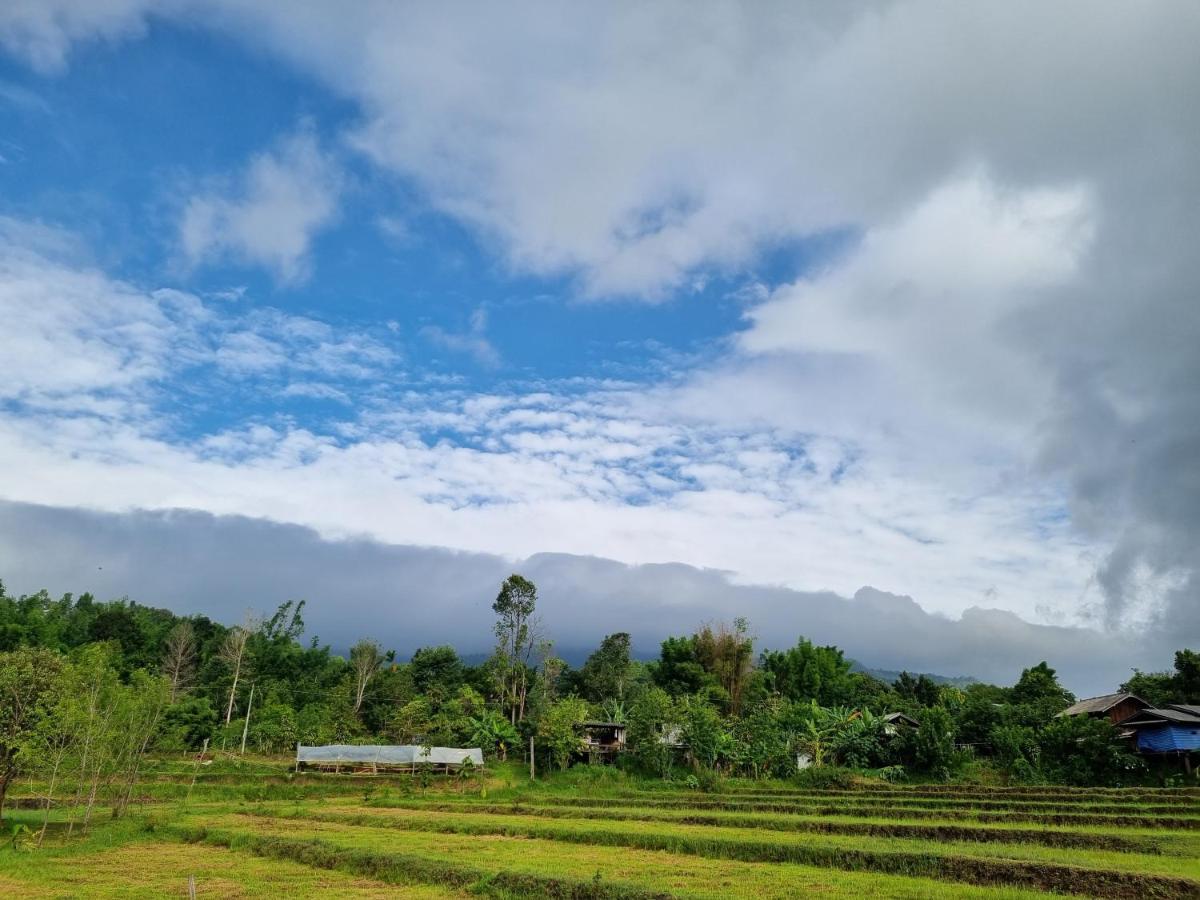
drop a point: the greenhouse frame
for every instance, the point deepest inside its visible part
(371, 759)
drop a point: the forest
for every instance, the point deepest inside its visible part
(89, 688)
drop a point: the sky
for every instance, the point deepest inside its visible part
(874, 322)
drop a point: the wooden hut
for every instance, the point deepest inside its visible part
(1114, 707)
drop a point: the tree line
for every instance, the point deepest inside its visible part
(87, 688)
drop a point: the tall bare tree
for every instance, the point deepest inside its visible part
(179, 659)
(233, 654)
(365, 659)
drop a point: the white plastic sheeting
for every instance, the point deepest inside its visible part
(387, 755)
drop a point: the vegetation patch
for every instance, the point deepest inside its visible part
(1039, 875)
(397, 868)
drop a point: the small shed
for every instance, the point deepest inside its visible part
(371, 759)
(1114, 707)
(1166, 733)
(602, 740)
(894, 719)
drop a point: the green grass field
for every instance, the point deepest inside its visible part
(252, 829)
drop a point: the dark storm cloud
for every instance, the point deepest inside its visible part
(406, 597)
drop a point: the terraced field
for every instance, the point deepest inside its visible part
(358, 838)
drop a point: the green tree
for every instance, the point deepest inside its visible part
(436, 669)
(933, 743)
(515, 639)
(558, 729)
(29, 680)
(605, 673)
(1079, 750)
(654, 719)
(806, 672)
(704, 731)
(919, 689)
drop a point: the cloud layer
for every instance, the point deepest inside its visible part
(408, 596)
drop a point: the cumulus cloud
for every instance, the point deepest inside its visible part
(269, 215)
(412, 596)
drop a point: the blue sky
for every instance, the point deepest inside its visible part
(743, 289)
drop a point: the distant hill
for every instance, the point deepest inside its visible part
(959, 681)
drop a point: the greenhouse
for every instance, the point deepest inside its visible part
(374, 758)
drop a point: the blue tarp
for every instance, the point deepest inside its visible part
(1168, 738)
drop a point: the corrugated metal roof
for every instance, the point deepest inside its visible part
(1152, 716)
(1169, 738)
(387, 754)
(1099, 704)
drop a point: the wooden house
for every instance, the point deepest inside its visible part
(602, 741)
(1114, 707)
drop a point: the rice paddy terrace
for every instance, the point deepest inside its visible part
(257, 832)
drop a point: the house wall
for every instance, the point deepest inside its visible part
(1123, 711)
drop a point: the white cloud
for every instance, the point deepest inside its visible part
(473, 341)
(270, 214)
(43, 32)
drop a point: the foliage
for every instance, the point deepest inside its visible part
(807, 672)
(606, 672)
(1079, 750)
(515, 639)
(558, 729)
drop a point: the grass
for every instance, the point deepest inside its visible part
(252, 828)
(653, 872)
(157, 868)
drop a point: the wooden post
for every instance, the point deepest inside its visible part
(531, 772)
(246, 727)
(196, 768)
(191, 887)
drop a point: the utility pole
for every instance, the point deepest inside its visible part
(246, 727)
(531, 775)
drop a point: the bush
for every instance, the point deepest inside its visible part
(893, 774)
(1080, 751)
(825, 778)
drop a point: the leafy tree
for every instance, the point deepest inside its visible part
(679, 671)
(558, 729)
(920, 689)
(1162, 688)
(515, 636)
(605, 673)
(703, 731)
(933, 743)
(654, 718)
(806, 672)
(29, 678)
(1156, 688)
(436, 669)
(1039, 685)
(1079, 750)
(727, 653)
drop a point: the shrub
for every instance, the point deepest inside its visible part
(825, 778)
